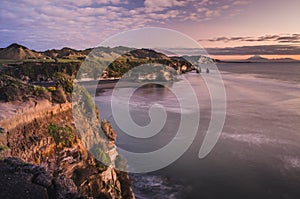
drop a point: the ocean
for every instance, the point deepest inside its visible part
(258, 152)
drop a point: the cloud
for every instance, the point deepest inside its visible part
(80, 24)
(212, 13)
(160, 5)
(290, 38)
(241, 2)
(256, 50)
(294, 38)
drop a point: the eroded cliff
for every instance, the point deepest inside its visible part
(45, 135)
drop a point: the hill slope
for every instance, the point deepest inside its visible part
(19, 52)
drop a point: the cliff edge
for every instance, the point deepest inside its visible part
(44, 136)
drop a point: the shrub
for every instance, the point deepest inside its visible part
(3, 148)
(100, 155)
(63, 135)
(12, 89)
(41, 92)
(103, 157)
(65, 81)
(52, 88)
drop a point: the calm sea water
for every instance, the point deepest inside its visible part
(258, 154)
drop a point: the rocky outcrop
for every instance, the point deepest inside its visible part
(65, 158)
(152, 65)
(23, 180)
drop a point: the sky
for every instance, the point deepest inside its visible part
(225, 28)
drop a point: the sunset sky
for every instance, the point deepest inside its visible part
(226, 28)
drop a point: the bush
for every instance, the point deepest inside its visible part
(98, 152)
(12, 89)
(103, 157)
(3, 148)
(41, 92)
(63, 135)
(52, 88)
(65, 81)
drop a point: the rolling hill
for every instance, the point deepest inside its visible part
(19, 52)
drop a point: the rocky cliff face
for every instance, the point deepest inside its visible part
(47, 137)
(23, 180)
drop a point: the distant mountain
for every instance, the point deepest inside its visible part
(285, 60)
(257, 58)
(67, 53)
(260, 59)
(19, 52)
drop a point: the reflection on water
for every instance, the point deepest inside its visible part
(256, 157)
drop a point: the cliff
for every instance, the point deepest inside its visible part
(23, 180)
(45, 135)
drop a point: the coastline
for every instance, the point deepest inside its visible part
(25, 133)
(261, 120)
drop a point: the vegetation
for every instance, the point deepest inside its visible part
(148, 57)
(7, 61)
(100, 155)
(84, 102)
(41, 92)
(12, 89)
(63, 80)
(63, 135)
(3, 148)
(41, 71)
(51, 88)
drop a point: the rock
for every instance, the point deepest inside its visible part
(23, 180)
(70, 170)
(108, 130)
